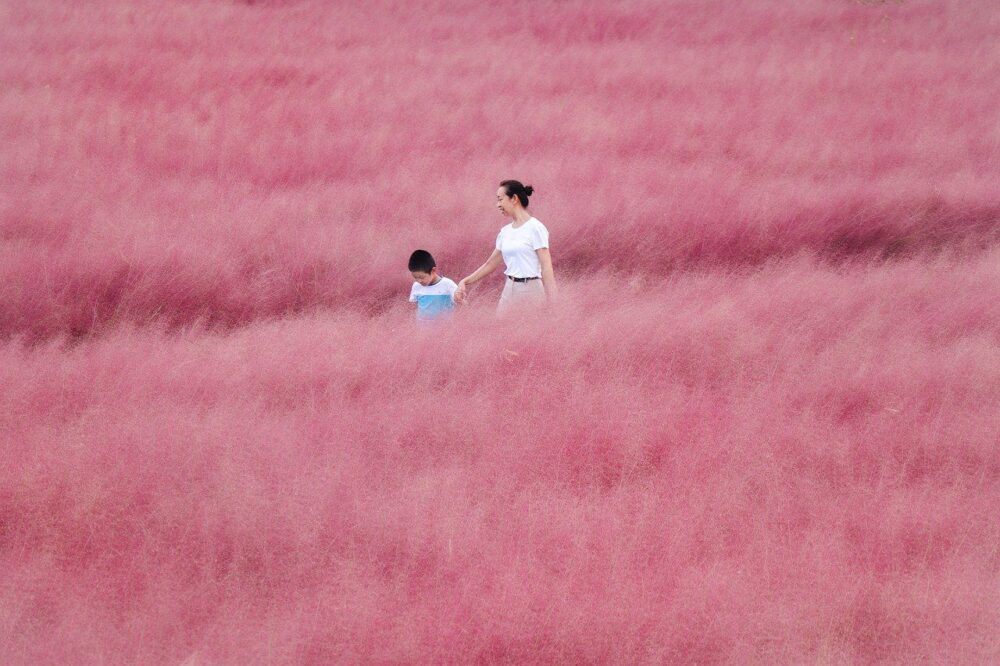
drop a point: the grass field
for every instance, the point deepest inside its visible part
(761, 424)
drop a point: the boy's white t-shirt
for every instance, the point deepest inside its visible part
(518, 248)
(433, 300)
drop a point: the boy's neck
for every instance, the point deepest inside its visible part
(437, 278)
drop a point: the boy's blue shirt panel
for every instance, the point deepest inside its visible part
(430, 306)
(434, 300)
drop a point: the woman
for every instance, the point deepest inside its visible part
(523, 245)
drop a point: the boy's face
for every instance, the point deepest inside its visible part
(424, 279)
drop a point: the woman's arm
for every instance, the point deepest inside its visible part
(548, 276)
(488, 267)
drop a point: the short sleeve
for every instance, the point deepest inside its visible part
(413, 293)
(499, 236)
(452, 288)
(539, 236)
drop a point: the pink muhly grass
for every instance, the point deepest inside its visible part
(224, 162)
(761, 424)
(791, 463)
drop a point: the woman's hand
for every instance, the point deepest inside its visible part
(462, 293)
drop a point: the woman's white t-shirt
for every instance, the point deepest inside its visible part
(518, 248)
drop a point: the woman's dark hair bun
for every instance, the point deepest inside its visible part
(514, 188)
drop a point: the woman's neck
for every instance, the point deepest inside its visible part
(521, 216)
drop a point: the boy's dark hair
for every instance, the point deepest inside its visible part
(515, 188)
(422, 261)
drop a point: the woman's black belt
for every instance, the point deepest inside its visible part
(510, 277)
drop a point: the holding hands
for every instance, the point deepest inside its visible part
(461, 294)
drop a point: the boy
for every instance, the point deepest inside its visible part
(433, 294)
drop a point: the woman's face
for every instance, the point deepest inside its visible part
(506, 204)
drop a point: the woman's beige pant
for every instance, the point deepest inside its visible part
(520, 294)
